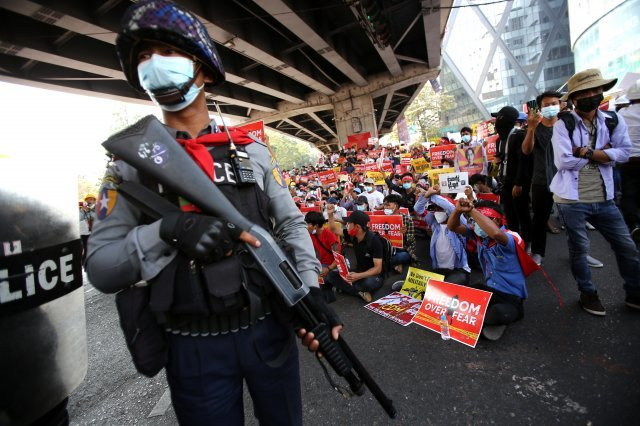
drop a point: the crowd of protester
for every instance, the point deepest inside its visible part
(568, 153)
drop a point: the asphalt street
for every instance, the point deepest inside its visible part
(556, 366)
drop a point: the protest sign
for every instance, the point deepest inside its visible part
(491, 147)
(434, 173)
(400, 169)
(371, 167)
(307, 209)
(361, 157)
(486, 129)
(372, 141)
(420, 165)
(453, 182)
(389, 227)
(387, 166)
(359, 168)
(328, 177)
(397, 307)
(440, 152)
(374, 153)
(254, 129)
(405, 160)
(378, 178)
(416, 282)
(491, 197)
(341, 264)
(463, 307)
(359, 140)
(470, 159)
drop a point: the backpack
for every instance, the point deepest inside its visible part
(387, 253)
(611, 121)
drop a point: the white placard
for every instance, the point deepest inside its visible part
(453, 182)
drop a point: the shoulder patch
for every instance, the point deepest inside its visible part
(106, 202)
(277, 176)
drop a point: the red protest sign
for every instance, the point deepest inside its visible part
(491, 147)
(254, 129)
(328, 177)
(360, 140)
(397, 307)
(341, 264)
(305, 209)
(371, 167)
(361, 157)
(405, 161)
(374, 153)
(387, 166)
(486, 129)
(400, 170)
(463, 308)
(359, 168)
(491, 197)
(389, 227)
(440, 152)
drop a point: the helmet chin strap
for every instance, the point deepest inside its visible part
(174, 95)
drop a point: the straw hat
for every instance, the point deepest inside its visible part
(589, 79)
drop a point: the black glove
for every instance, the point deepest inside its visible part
(323, 312)
(200, 237)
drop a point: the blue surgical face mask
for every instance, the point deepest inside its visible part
(479, 231)
(550, 111)
(388, 211)
(161, 72)
(360, 207)
(406, 185)
(466, 138)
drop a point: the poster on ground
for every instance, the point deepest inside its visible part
(389, 226)
(453, 183)
(416, 282)
(396, 307)
(470, 159)
(463, 307)
(440, 152)
(435, 173)
(341, 264)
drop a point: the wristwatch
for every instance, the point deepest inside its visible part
(588, 154)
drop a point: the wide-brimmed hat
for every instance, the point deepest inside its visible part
(589, 79)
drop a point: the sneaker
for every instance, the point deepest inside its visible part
(366, 296)
(537, 258)
(635, 235)
(493, 332)
(633, 301)
(589, 226)
(594, 263)
(590, 302)
(397, 286)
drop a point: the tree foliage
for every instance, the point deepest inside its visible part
(424, 111)
(291, 152)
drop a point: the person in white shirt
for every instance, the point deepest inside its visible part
(339, 213)
(375, 198)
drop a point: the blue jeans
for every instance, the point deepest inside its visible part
(369, 284)
(401, 258)
(607, 219)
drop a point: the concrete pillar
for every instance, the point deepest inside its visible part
(354, 115)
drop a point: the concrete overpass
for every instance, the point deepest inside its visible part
(318, 71)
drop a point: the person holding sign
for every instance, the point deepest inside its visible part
(407, 254)
(448, 255)
(499, 260)
(367, 277)
(407, 191)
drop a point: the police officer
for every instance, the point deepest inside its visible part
(224, 321)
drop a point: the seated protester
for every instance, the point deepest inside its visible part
(348, 200)
(406, 191)
(498, 257)
(367, 275)
(325, 243)
(339, 213)
(374, 197)
(448, 255)
(407, 254)
(361, 204)
(481, 184)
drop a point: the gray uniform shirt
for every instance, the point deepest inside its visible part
(121, 252)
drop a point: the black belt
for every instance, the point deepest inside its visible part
(216, 323)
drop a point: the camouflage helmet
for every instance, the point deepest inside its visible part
(165, 22)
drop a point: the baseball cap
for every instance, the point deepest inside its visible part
(332, 200)
(369, 180)
(358, 218)
(507, 111)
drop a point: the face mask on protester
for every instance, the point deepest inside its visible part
(388, 211)
(440, 216)
(353, 231)
(466, 138)
(161, 72)
(590, 103)
(504, 125)
(479, 231)
(550, 111)
(360, 207)
(406, 185)
(369, 188)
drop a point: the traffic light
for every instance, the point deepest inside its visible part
(377, 23)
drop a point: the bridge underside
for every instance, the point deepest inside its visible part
(316, 70)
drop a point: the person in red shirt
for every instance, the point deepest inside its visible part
(325, 242)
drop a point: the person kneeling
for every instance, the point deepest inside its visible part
(498, 257)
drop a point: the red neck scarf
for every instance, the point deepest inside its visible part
(197, 148)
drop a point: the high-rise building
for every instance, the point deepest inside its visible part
(606, 35)
(504, 53)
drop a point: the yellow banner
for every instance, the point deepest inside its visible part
(420, 165)
(416, 282)
(377, 177)
(434, 173)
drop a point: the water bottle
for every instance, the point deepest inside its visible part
(444, 328)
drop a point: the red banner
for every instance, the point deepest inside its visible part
(462, 307)
(387, 166)
(305, 209)
(491, 197)
(371, 167)
(341, 263)
(405, 161)
(361, 157)
(486, 129)
(328, 177)
(254, 129)
(491, 147)
(389, 227)
(374, 153)
(360, 140)
(440, 152)
(359, 168)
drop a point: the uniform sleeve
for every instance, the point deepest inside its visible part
(287, 220)
(121, 252)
